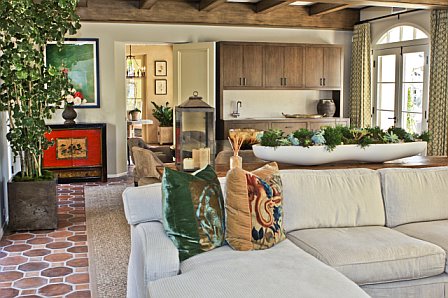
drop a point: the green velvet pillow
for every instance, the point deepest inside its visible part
(193, 211)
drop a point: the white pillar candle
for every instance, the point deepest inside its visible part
(188, 164)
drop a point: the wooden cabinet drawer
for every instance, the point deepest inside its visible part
(288, 127)
(320, 124)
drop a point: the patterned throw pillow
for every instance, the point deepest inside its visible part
(254, 218)
(193, 211)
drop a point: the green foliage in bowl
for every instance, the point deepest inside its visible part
(340, 135)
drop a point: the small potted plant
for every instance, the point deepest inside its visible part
(164, 114)
(135, 114)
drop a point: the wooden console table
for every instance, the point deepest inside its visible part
(79, 152)
(409, 162)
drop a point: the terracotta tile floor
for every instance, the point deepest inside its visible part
(51, 263)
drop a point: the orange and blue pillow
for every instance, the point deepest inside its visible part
(254, 217)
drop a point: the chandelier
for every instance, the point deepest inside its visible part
(133, 69)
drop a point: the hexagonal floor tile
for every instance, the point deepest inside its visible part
(55, 289)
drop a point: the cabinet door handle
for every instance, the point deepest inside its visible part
(288, 126)
(244, 81)
(284, 80)
(321, 81)
(324, 81)
(241, 80)
(281, 81)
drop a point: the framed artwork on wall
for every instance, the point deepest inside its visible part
(160, 68)
(160, 87)
(79, 57)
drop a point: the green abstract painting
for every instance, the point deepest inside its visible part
(80, 58)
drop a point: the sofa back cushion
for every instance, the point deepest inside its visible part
(413, 195)
(331, 198)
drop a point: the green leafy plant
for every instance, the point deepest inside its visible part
(29, 90)
(164, 114)
(272, 138)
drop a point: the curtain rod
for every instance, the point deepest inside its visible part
(388, 16)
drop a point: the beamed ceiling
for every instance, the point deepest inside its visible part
(340, 14)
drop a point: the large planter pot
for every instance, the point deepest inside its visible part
(165, 135)
(316, 155)
(32, 205)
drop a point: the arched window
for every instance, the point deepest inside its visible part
(402, 33)
(400, 79)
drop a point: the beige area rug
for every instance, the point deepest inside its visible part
(109, 240)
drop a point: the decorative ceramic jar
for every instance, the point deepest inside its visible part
(69, 114)
(326, 107)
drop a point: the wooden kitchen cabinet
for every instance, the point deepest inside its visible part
(320, 124)
(242, 65)
(323, 67)
(283, 66)
(288, 127)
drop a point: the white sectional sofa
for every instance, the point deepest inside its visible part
(351, 233)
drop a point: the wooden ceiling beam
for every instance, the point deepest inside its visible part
(319, 9)
(228, 14)
(423, 4)
(147, 4)
(208, 5)
(82, 3)
(265, 6)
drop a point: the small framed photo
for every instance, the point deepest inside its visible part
(160, 68)
(160, 87)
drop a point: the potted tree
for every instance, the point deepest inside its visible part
(164, 114)
(29, 93)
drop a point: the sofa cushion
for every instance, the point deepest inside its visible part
(193, 210)
(254, 208)
(281, 271)
(431, 231)
(430, 287)
(320, 199)
(413, 195)
(369, 255)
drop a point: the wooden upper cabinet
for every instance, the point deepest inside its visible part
(280, 66)
(283, 66)
(332, 67)
(314, 66)
(242, 65)
(323, 67)
(293, 68)
(232, 65)
(274, 58)
(252, 66)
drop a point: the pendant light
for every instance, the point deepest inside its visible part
(133, 70)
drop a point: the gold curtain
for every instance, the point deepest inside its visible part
(360, 77)
(438, 84)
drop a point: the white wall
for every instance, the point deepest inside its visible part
(419, 19)
(4, 164)
(114, 36)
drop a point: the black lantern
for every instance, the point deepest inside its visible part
(195, 134)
